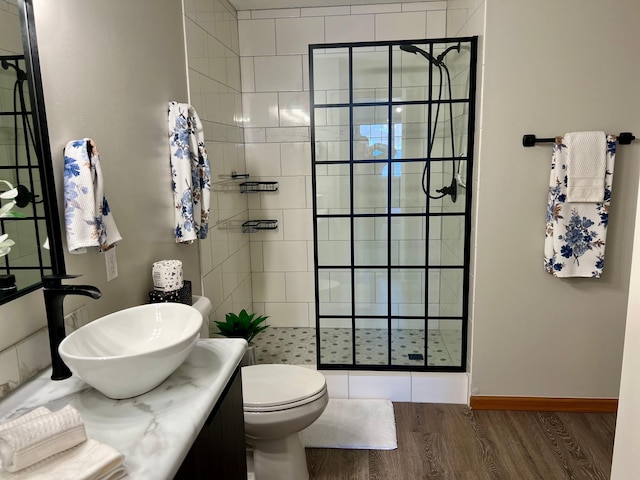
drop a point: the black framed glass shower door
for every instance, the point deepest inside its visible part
(392, 151)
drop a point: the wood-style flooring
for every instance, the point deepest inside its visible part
(451, 442)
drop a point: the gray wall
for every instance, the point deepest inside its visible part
(108, 71)
(549, 68)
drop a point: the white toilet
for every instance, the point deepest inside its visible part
(279, 402)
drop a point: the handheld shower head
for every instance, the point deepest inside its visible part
(413, 49)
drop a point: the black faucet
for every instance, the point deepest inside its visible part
(54, 293)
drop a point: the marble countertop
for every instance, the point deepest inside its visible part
(154, 431)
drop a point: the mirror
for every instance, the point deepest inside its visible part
(30, 237)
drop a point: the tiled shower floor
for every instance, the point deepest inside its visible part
(298, 346)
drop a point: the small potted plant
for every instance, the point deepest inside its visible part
(243, 325)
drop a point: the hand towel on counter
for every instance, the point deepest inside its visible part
(39, 435)
(586, 166)
(88, 219)
(91, 460)
(45, 445)
(190, 172)
(576, 231)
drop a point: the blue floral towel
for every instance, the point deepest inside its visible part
(576, 231)
(190, 173)
(88, 219)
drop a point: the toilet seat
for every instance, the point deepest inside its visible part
(274, 387)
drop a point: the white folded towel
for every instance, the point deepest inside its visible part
(39, 435)
(91, 460)
(586, 166)
(88, 219)
(190, 173)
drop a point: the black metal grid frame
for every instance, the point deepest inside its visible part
(390, 104)
(42, 163)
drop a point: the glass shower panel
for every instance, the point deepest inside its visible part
(370, 188)
(331, 76)
(407, 343)
(334, 241)
(391, 211)
(335, 341)
(370, 75)
(412, 130)
(450, 292)
(452, 238)
(408, 240)
(407, 288)
(370, 294)
(332, 142)
(372, 340)
(370, 244)
(445, 344)
(333, 189)
(334, 292)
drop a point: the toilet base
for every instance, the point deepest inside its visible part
(279, 458)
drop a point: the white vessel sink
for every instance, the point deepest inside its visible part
(130, 352)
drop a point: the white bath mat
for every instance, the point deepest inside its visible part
(353, 424)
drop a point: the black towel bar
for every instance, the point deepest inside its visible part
(529, 140)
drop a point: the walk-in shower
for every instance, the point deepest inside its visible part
(392, 147)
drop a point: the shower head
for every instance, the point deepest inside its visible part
(413, 49)
(438, 61)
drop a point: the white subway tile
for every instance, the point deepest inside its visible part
(298, 224)
(354, 28)
(257, 37)
(278, 73)
(247, 75)
(325, 11)
(268, 287)
(285, 256)
(295, 158)
(337, 383)
(395, 387)
(382, 8)
(288, 134)
(439, 387)
(418, 6)
(400, 26)
(294, 108)
(436, 24)
(263, 159)
(287, 314)
(276, 13)
(293, 35)
(254, 135)
(299, 287)
(291, 194)
(260, 109)
(256, 257)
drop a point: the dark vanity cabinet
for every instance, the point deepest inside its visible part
(219, 451)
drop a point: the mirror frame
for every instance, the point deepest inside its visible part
(42, 147)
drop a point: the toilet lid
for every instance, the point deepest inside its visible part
(271, 385)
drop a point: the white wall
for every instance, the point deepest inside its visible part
(627, 439)
(214, 90)
(549, 68)
(275, 87)
(108, 71)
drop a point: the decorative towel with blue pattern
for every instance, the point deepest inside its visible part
(190, 172)
(576, 231)
(87, 215)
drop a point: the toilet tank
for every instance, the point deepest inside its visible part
(204, 306)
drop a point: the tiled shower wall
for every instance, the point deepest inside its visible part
(214, 87)
(275, 94)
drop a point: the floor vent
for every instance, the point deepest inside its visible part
(415, 356)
